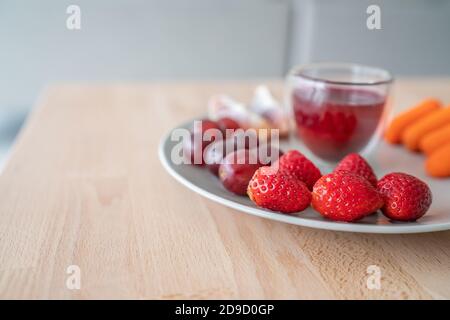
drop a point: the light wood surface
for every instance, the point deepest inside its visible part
(84, 186)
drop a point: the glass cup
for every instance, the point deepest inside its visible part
(338, 108)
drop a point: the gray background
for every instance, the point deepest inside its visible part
(137, 40)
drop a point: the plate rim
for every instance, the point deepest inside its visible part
(294, 220)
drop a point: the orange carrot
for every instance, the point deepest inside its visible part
(405, 119)
(435, 139)
(434, 120)
(438, 163)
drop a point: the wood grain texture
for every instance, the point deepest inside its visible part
(84, 187)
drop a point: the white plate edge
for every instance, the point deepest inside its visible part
(334, 226)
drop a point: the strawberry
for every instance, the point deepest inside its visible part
(228, 123)
(202, 125)
(295, 163)
(345, 196)
(357, 164)
(271, 189)
(406, 198)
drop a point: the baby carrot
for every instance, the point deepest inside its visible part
(430, 122)
(438, 163)
(403, 120)
(435, 139)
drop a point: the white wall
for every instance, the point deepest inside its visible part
(138, 40)
(414, 39)
(134, 40)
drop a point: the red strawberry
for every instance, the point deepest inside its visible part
(406, 198)
(296, 164)
(271, 189)
(345, 196)
(357, 164)
(202, 125)
(228, 123)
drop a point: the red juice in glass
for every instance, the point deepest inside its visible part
(337, 113)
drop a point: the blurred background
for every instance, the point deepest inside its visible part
(170, 40)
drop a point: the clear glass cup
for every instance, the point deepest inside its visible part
(337, 108)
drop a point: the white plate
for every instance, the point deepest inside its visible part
(385, 159)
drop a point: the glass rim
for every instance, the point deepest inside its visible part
(298, 71)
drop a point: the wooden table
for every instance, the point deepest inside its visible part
(84, 187)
